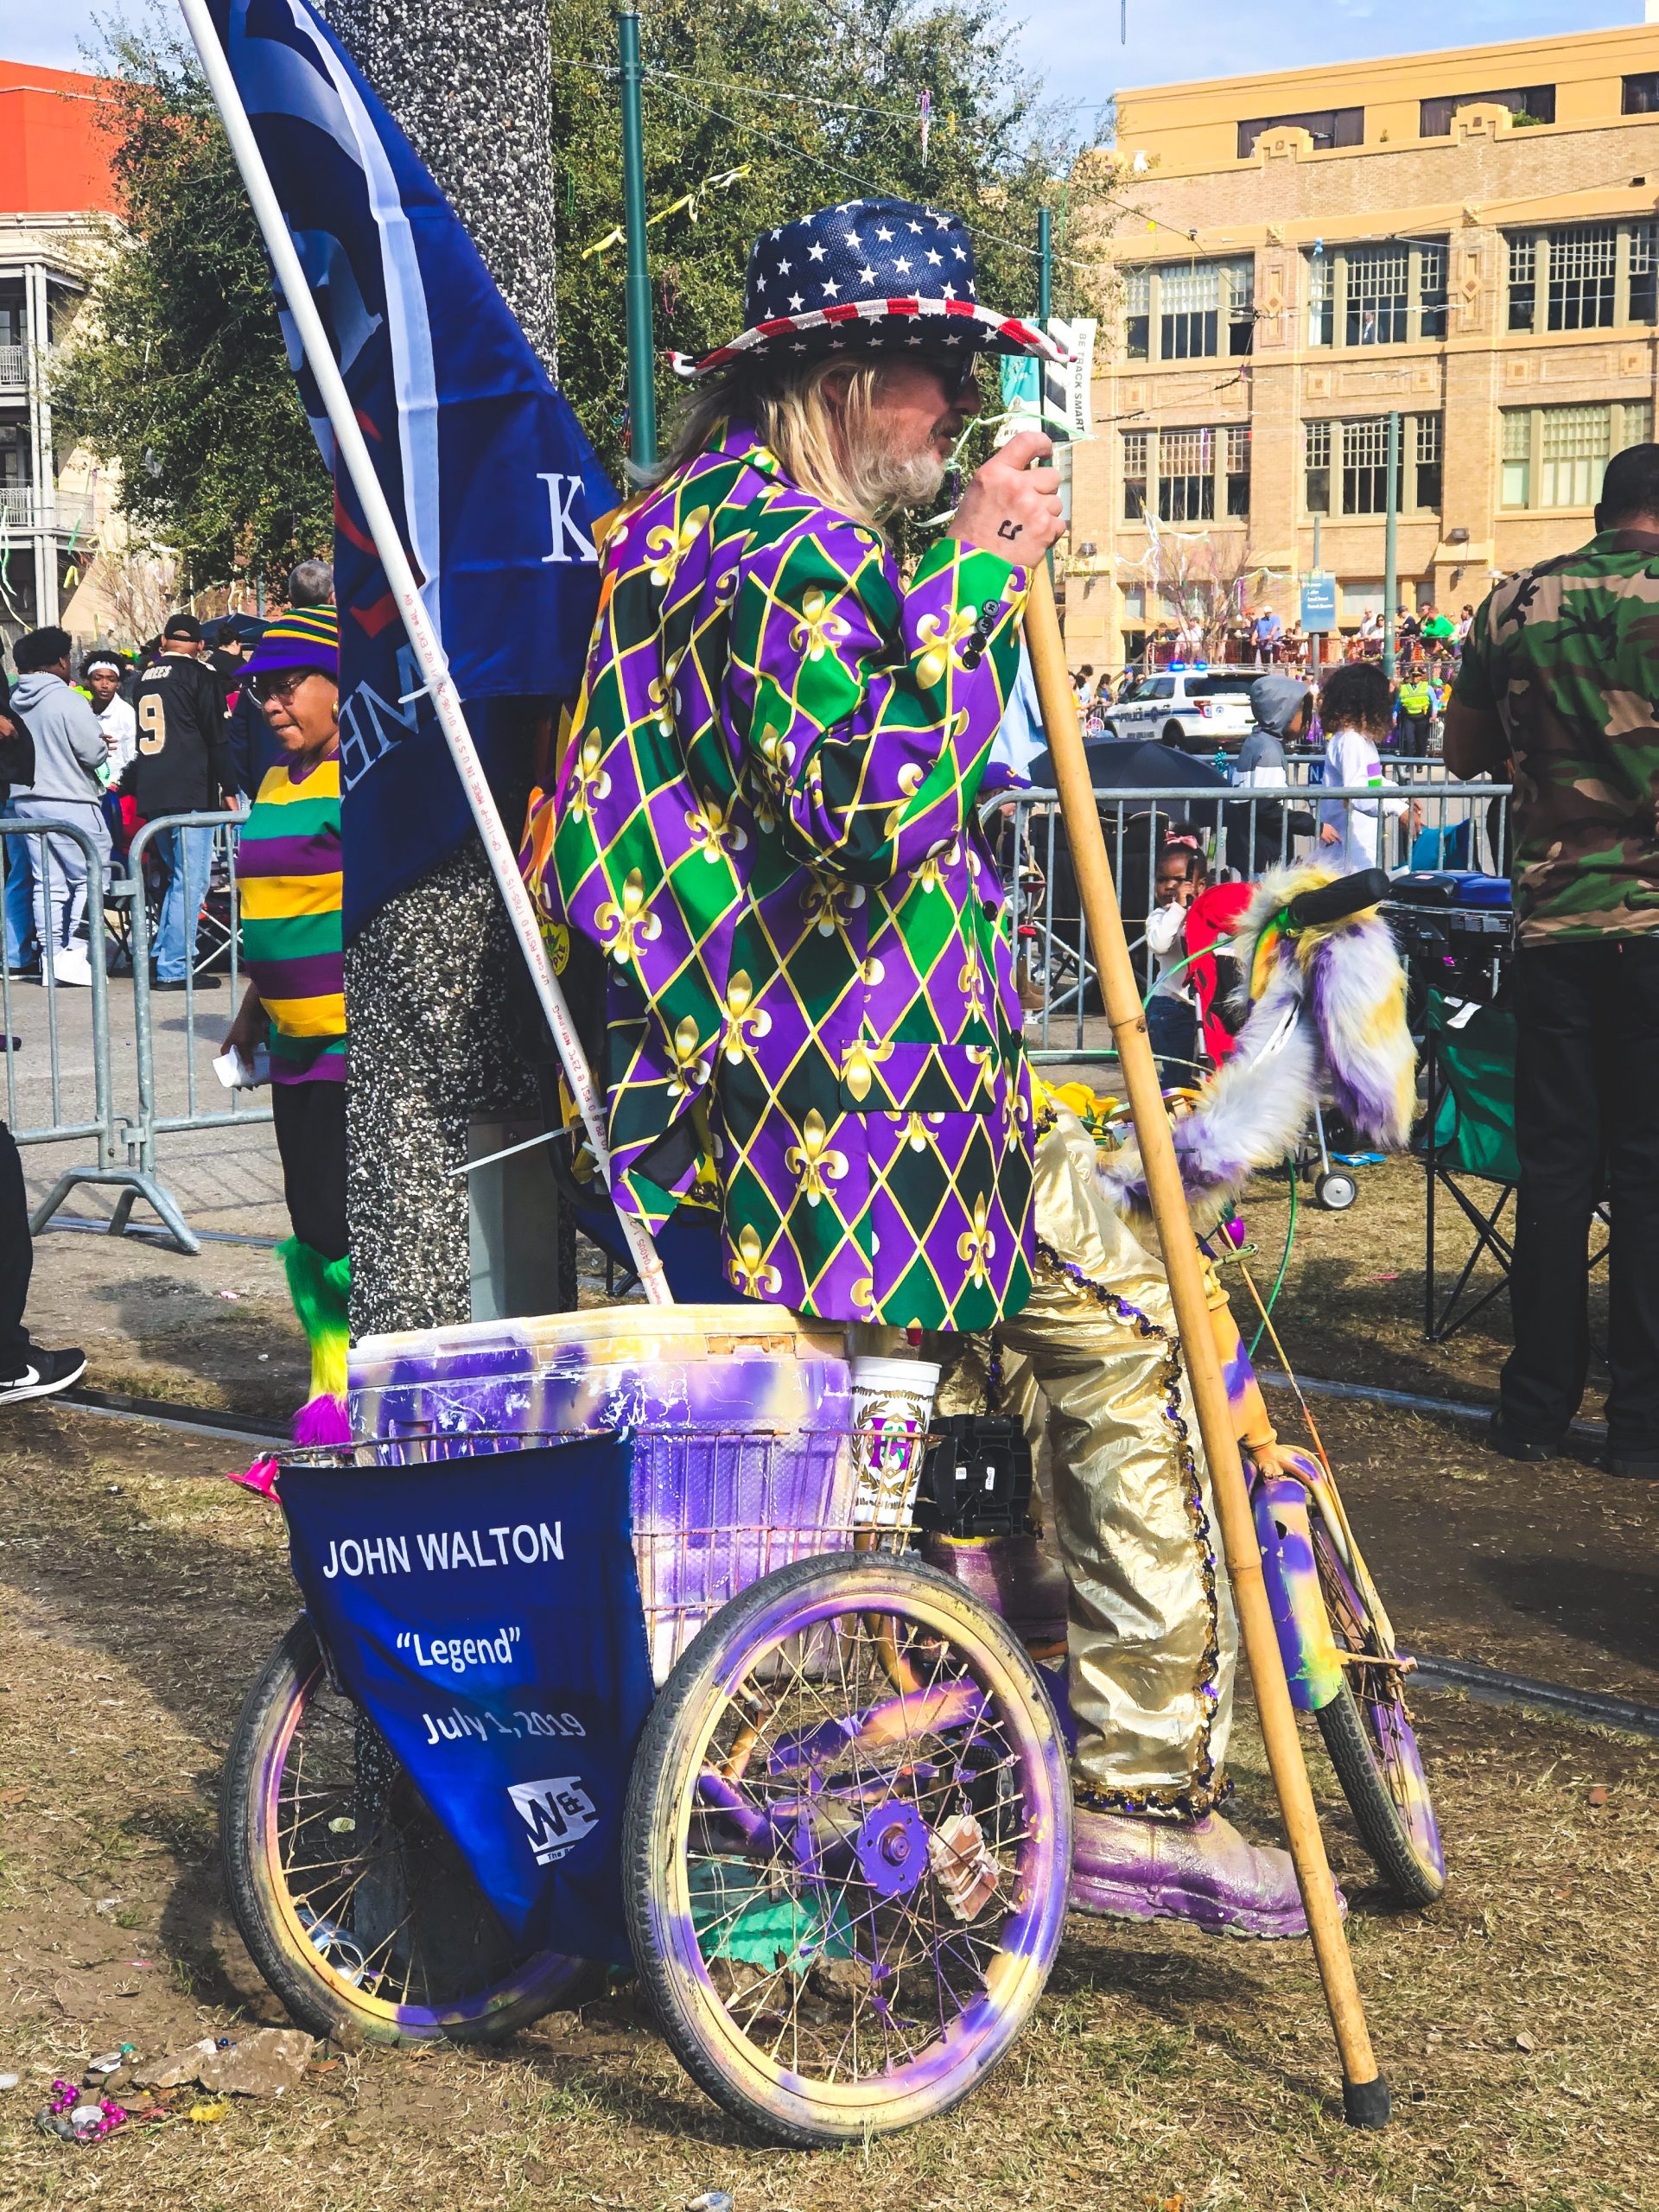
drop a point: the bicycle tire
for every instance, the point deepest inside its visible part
(673, 1773)
(320, 1977)
(1370, 1742)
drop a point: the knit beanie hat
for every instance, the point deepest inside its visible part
(306, 637)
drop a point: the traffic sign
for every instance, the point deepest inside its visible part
(1319, 603)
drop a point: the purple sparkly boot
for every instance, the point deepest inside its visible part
(1125, 1867)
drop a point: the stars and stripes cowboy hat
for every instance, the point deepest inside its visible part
(868, 276)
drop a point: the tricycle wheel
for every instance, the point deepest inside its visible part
(1371, 1743)
(846, 1849)
(354, 1905)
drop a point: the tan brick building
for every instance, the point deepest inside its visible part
(1470, 238)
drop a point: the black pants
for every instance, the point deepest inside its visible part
(1586, 1120)
(311, 1139)
(17, 1259)
(1173, 1032)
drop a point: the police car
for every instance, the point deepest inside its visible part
(1194, 706)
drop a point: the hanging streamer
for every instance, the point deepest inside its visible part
(925, 109)
(722, 181)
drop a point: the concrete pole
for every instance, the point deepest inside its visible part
(432, 1046)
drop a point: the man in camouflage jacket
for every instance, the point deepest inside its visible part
(1560, 676)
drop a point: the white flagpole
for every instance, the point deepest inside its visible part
(350, 446)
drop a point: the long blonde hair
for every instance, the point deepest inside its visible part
(833, 451)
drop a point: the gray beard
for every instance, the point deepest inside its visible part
(891, 482)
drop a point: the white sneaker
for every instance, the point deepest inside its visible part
(71, 966)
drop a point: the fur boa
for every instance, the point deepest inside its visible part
(1327, 1019)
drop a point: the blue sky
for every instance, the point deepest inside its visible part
(1074, 46)
(1074, 43)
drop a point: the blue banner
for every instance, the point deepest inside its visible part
(492, 484)
(486, 1613)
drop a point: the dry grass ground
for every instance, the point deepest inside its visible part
(1163, 2069)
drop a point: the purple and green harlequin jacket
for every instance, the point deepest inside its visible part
(765, 818)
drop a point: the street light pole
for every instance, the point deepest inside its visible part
(1045, 308)
(1391, 549)
(1316, 642)
(642, 374)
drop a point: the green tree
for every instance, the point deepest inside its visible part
(812, 103)
(176, 370)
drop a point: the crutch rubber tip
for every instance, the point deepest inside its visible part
(1366, 2104)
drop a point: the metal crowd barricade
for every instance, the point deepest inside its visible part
(81, 1045)
(74, 1046)
(30, 865)
(212, 894)
(1263, 828)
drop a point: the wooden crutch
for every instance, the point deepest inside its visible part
(1365, 2092)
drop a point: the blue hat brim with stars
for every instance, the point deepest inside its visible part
(866, 277)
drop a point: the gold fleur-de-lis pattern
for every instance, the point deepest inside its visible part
(942, 636)
(713, 829)
(670, 546)
(625, 929)
(765, 834)
(745, 1023)
(750, 1270)
(815, 1162)
(691, 1067)
(590, 781)
(820, 629)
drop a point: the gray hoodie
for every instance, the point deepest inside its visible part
(68, 744)
(1274, 701)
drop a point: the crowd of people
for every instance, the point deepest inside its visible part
(243, 717)
(123, 738)
(1428, 647)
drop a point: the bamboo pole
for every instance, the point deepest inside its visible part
(1365, 2092)
(353, 452)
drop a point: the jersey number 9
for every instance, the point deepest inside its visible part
(152, 722)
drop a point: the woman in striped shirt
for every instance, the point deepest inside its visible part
(289, 869)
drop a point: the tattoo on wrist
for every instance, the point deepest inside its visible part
(1005, 529)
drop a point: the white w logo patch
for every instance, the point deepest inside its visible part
(558, 1814)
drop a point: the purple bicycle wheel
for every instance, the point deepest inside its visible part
(1370, 1741)
(847, 1848)
(355, 1907)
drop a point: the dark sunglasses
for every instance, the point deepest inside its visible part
(958, 376)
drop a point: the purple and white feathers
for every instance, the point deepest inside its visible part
(1328, 1021)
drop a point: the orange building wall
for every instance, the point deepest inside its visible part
(53, 151)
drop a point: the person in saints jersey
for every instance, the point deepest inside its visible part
(182, 766)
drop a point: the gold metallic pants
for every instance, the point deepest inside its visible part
(1152, 1640)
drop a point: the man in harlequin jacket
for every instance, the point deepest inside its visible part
(765, 822)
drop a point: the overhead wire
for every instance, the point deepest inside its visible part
(866, 184)
(670, 78)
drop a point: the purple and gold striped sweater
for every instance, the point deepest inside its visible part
(289, 868)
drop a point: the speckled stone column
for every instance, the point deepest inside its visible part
(426, 981)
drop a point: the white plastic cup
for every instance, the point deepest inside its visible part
(892, 1403)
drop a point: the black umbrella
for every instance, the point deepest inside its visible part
(1136, 765)
(1118, 765)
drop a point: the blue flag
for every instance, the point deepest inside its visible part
(486, 1613)
(490, 480)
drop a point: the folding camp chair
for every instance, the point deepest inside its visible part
(1469, 1132)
